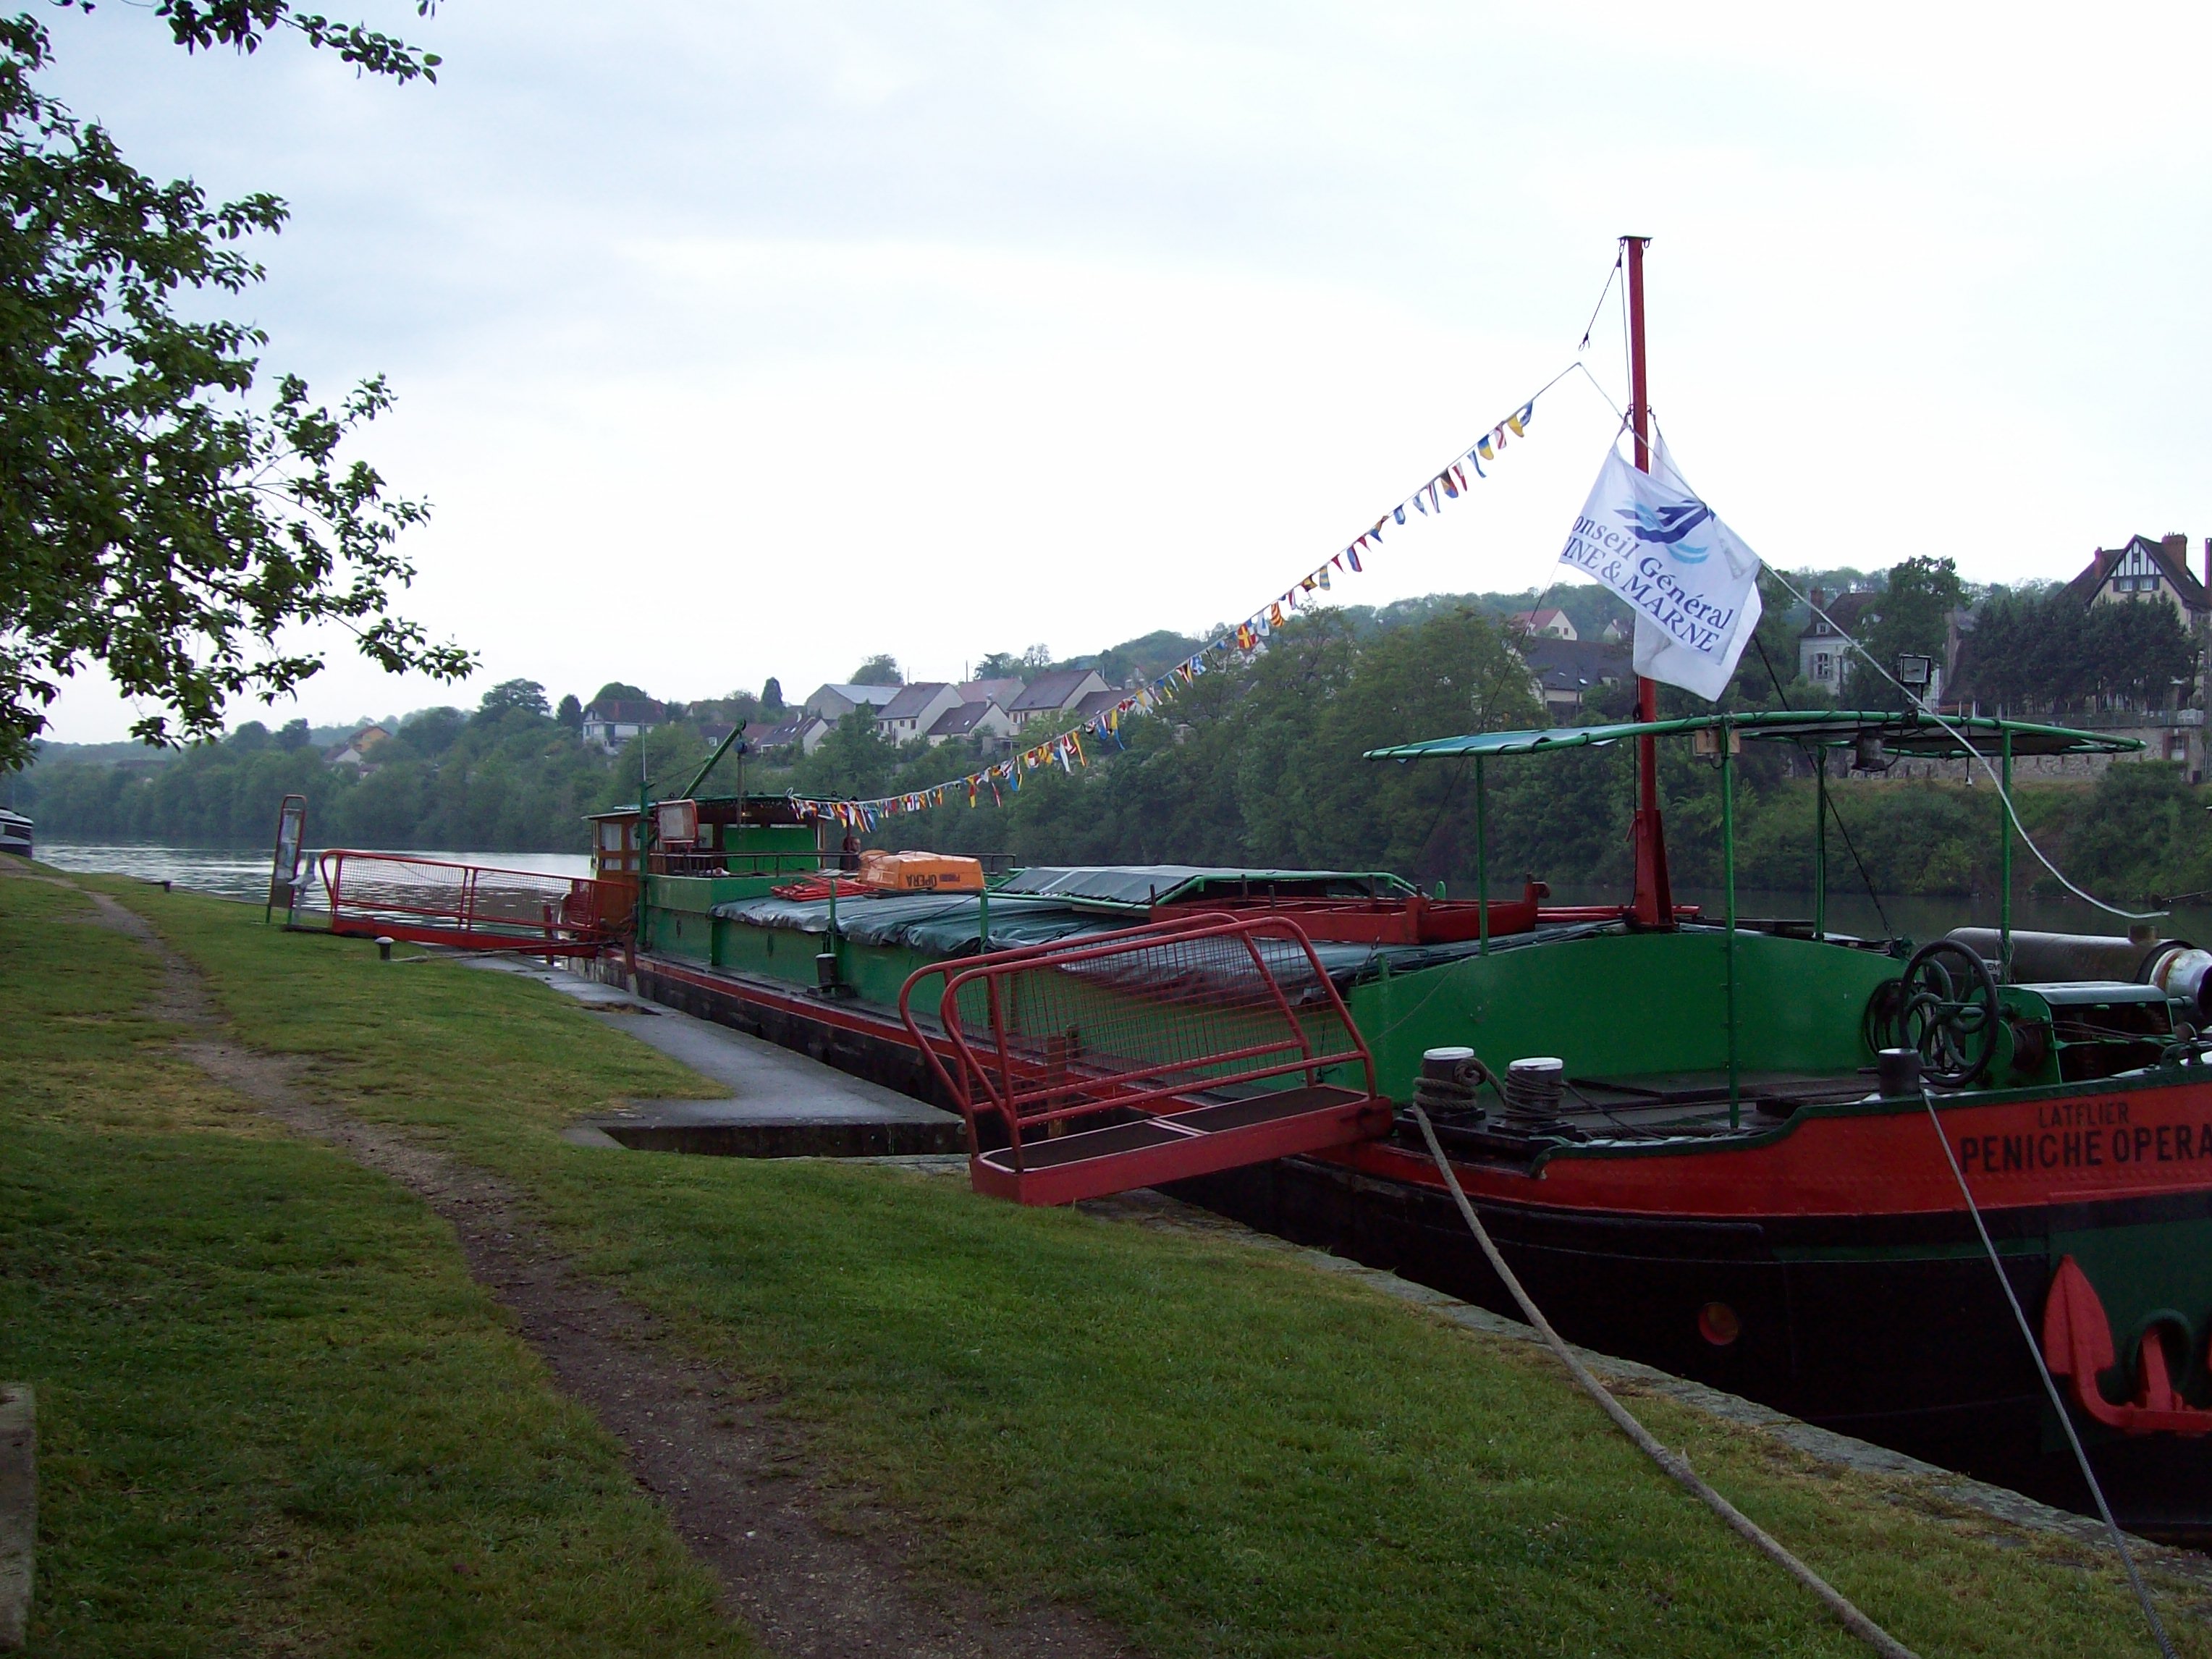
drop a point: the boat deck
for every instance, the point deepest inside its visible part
(1696, 1103)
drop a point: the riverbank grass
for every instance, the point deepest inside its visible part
(1213, 1446)
(275, 1417)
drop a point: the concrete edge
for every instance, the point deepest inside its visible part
(1824, 1445)
(19, 1510)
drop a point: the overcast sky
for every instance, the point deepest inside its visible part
(735, 340)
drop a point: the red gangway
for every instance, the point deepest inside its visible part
(1154, 1054)
(470, 906)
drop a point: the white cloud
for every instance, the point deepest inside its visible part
(740, 340)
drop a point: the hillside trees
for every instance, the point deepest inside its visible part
(2042, 651)
(1259, 761)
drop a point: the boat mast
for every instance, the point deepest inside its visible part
(1653, 904)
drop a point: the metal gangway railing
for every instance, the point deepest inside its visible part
(469, 906)
(1156, 1052)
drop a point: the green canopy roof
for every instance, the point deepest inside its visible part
(1917, 736)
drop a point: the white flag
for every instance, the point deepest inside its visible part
(1692, 582)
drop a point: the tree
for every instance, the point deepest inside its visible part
(877, 671)
(738, 708)
(854, 759)
(203, 25)
(2024, 654)
(1147, 657)
(1912, 618)
(1009, 666)
(771, 697)
(616, 690)
(431, 732)
(2039, 650)
(2137, 652)
(510, 696)
(153, 520)
(294, 737)
(570, 714)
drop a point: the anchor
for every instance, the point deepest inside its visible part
(2077, 1344)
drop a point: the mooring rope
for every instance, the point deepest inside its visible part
(1674, 1463)
(2051, 1384)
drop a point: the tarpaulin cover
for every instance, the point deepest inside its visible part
(1109, 884)
(1137, 886)
(941, 926)
(934, 924)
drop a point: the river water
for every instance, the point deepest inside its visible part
(242, 872)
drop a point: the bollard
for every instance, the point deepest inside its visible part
(1897, 1073)
(384, 947)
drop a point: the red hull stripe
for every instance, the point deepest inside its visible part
(2017, 1153)
(2083, 1146)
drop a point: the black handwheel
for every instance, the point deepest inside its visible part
(1946, 1008)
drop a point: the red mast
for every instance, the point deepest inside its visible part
(1653, 904)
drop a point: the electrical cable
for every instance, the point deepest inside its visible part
(1610, 276)
(2004, 795)
(1819, 757)
(2050, 1384)
(1997, 781)
(1674, 1463)
(1633, 1131)
(1850, 847)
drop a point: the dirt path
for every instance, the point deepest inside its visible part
(740, 1488)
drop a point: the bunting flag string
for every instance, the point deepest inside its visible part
(1065, 748)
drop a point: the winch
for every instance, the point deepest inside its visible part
(2175, 966)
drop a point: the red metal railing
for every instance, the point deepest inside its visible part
(432, 902)
(1155, 1020)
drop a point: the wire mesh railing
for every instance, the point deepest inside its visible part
(1154, 1019)
(432, 900)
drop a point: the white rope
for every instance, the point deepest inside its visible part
(2004, 795)
(1673, 1462)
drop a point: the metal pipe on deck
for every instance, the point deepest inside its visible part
(1482, 860)
(1728, 871)
(2004, 867)
(1654, 902)
(1819, 842)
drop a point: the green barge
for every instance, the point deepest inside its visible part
(1751, 1153)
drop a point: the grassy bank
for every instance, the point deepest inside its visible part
(276, 1416)
(1217, 1450)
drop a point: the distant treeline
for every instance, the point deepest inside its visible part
(1258, 764)
(506, 779)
